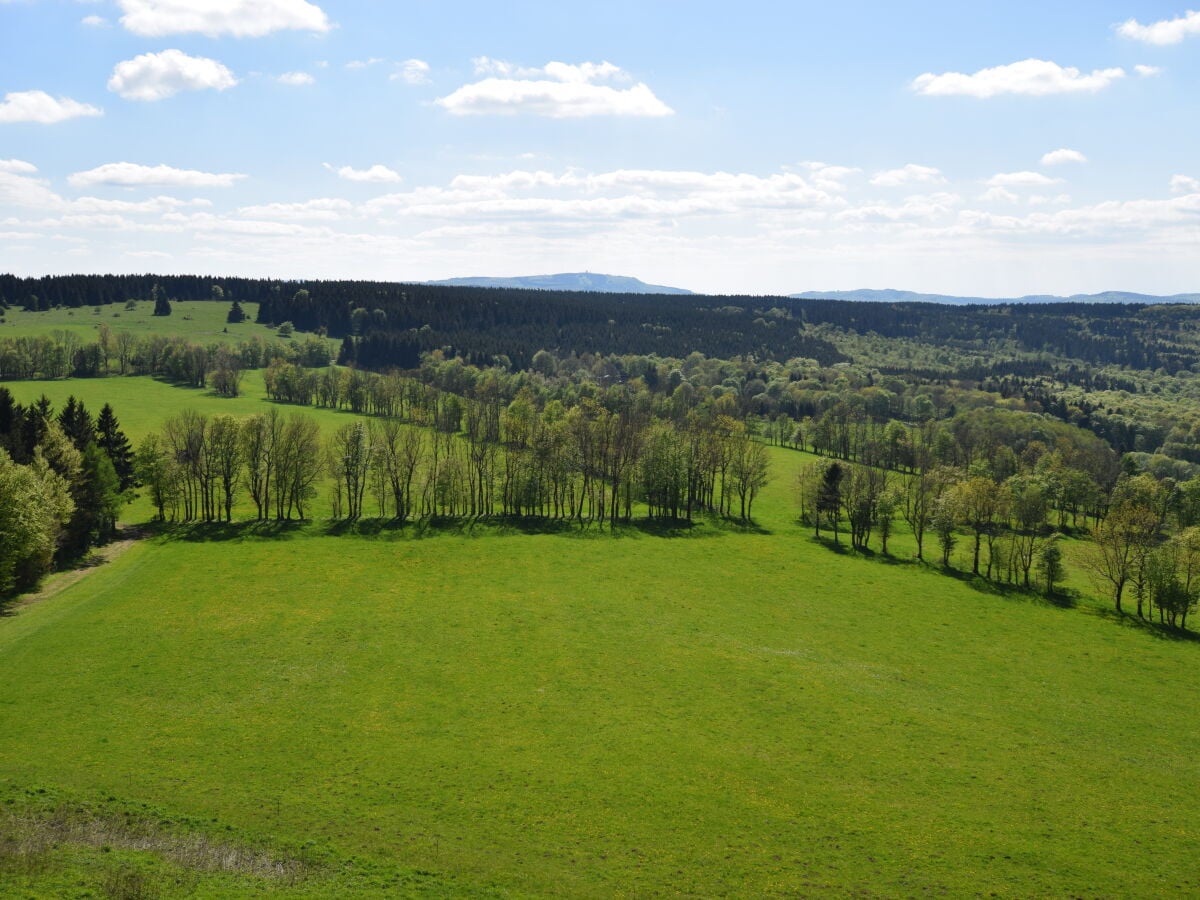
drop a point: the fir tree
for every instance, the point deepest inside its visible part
(113, 442)
(77, 423)
(162, 306)
(236, 314)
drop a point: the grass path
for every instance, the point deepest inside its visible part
(57, 582)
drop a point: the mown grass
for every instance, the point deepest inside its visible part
(730, 712)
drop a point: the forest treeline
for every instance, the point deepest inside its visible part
(389, 319)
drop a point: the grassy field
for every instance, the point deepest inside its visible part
(200, 321)
(489, 712)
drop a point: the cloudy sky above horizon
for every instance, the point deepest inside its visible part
(994, 150)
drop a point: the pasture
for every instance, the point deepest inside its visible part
(486, 710)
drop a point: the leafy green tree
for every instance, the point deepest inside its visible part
(156, 470)
(1050, 564)
(35, 503)
(829, 496)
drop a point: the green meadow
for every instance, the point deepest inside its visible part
(490, 711)
(195, 320)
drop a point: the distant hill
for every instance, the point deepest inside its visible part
(893, 296)
(568, 281)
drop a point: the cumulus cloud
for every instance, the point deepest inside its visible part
(557, 90)
(94, 21)
(909, 174)
(1166, 31)
(1030, 77)
(1184, 184)
(156, 76)
(240, 18)
(412, 71)
(128, 174)
(363, 63)
(1021, 179)
(1063, 155)
(377, 174)
(1147, 71)
(40, 107)
(296, 79)
(17, 167)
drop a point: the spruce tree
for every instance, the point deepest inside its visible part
(236, 314)
(77, 423)
(162, 306)
(113, 442)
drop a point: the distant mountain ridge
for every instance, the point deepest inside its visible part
(568, 281)
(894, 296)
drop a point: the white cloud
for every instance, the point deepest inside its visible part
(17, 188)
(377, 174)
(909, 174)
(1021, 179)
(412, 71)
(323, 209)
(156, 76)
(1147, 71)
(1030, 77)
(94, 21)
(557, 91)
(296, 79)
(363, 63)
(998, 195)
(620, 195)
(134, 175)
(240, 18)
(17, 167)
(40, 107)
(1063, 155)
(145, 207)
(485, 65)
(1167, 31)
(1184, 184)
(918, 208)
(827, 177)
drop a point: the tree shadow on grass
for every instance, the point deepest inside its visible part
(461, 526)
(1159, 630)
(206, 532)
(1060, 599)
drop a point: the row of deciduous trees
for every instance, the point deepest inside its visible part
(1146, 541)
(64, 353)
(584, 463)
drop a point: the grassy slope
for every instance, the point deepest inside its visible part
(200, 321)
(589, 715)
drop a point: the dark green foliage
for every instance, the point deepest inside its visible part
(97, 496)
(77, 423)
(162, 306)
(236, 314)
(116, 445)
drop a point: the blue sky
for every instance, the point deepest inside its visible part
(984, 148)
